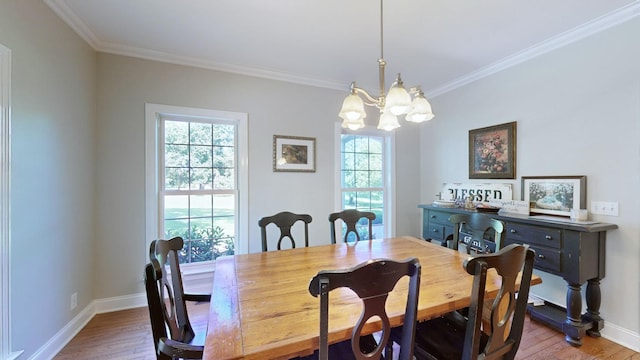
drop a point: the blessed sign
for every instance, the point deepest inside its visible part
(478, 192)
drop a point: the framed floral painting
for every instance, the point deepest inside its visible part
(492, 152)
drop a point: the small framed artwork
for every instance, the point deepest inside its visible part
(294, 153)
(554, 195)
(492, 152)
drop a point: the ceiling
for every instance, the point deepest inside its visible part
(439, 44)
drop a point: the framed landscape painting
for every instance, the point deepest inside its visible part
(492, 152)
(294, 153)
(554, 195)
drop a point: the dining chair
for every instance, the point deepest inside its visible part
(473, 227)
(467, 338)
(471, 230)
(167, 303)
(373, 295)
(284, 221)
(351, 218)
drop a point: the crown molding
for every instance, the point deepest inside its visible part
(61, 9)
(595, 26)
(602, 23)
(147, 54)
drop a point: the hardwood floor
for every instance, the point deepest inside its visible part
(126, 335)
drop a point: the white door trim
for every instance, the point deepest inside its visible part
(5, 204)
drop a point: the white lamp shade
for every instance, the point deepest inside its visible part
(388, 121)
(352, 109)
(420, 110)
(398, 100)
(353, 124)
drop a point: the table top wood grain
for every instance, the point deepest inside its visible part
(261, 307)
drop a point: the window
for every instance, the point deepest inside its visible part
(365, 178)
(198, 157)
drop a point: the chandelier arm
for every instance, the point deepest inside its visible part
(372, 101)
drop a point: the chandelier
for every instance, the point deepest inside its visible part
(397, 102)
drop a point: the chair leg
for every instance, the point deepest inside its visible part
(388, 353)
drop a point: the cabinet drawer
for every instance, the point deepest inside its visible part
(539, 235)
(546, 259)
(439, 217)
(437, 232)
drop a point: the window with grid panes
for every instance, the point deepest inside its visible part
(363, 179)
(198, 186)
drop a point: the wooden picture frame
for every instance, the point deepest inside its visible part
(294, 153)
(492, 152)
(554, 195)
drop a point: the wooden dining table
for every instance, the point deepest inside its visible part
(261, 307)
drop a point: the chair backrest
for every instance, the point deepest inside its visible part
(152, 276)
(351, 218)
(507, 314)
(476, 225)
(374, 295)
(174, 311)
(284, 221)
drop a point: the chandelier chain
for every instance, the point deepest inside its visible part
(381, 31)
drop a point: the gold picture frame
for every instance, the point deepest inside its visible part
(492, 152)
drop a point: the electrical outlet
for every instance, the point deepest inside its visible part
(74, 301)
(604, 208)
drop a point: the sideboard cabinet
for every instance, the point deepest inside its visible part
(573, 251)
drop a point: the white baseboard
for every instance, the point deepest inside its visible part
(120, 303)
(14, 355)
(622, 336)
(62, 337)
(615, 333)
(100, 306)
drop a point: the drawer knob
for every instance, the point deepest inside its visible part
(433, 216)
(435, 230)
(540, 256)
(548, 237)
(513, 231)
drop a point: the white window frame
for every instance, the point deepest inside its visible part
(389, 173)
(153, 114)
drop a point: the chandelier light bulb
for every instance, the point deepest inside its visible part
(352, 108)
(398, 100)
(420, 110)
(388, 121)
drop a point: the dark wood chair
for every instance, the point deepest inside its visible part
(467, 338)
(374, 295)
(284, 221)
(167, 303)
(475, 226)
(351, 218)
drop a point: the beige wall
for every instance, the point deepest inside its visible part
(578, 113)
(52, 205)
(126, 84)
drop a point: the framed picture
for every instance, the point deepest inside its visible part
(554, 195)
(492, 152)
(294, 153)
